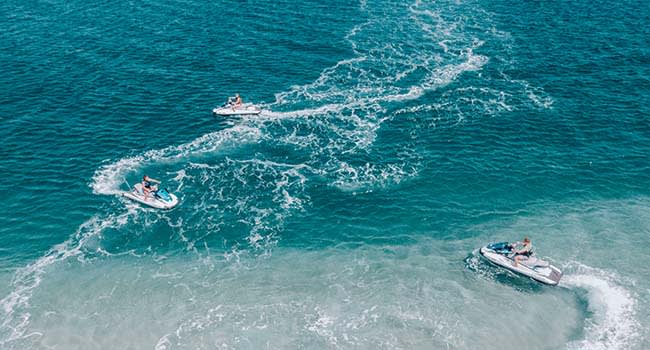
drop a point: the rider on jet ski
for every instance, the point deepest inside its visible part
(522, 249)
(149, 185)
(235, 102)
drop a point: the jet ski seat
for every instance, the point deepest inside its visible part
(533, 262)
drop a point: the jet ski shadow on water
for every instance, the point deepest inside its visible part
(159, 199)
(501, 254)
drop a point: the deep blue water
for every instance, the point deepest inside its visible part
(395, 140)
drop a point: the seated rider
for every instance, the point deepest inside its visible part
(237, 102)
(525, 251)
(149, 185)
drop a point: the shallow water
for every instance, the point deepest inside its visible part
(395, 140)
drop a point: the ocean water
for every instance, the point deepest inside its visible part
(396, 139)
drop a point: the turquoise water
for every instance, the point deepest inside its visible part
(395, 140)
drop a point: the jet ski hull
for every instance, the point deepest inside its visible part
(151, 200)
(544, 273)
(246, 109)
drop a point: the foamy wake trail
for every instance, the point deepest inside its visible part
(14, 307)
(108, 178)
(341, 112)
(259, 193)
(613, 325)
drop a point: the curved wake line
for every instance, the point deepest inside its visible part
(108, 178)
(356, 95)
(613, 325)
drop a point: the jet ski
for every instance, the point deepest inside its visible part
(229, 109)
(159, 199)
(501, 254)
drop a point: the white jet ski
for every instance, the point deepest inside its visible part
(229, 109)
(501, 254)
(159, 199)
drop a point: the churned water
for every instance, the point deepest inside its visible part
(396, 138)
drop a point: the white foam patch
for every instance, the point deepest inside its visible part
(257, 193)
(535, 94)
(447, 74)
(349, 178)
(613, 325)
(302, 113)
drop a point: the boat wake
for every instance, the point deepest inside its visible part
(108, 178)
(612, 324)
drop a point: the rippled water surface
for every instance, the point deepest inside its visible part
(396, 138)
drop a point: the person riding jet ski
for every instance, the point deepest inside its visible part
(520, 258)
(149, 185)
(148, 192)
(521, 250)
(238, 101)
(235, 102)
(236, 106)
